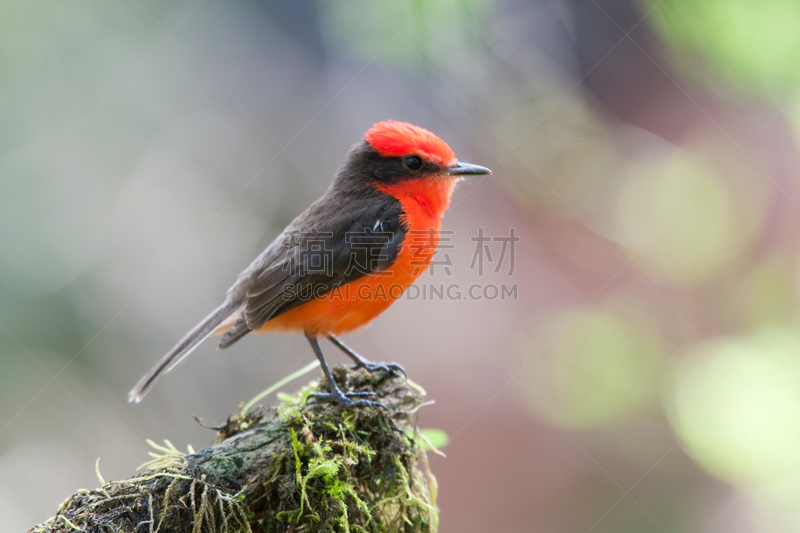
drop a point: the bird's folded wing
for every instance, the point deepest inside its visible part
(315, 262)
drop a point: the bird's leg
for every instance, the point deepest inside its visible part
(342, 398)
(361, 362)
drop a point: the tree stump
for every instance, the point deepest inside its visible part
(301, 466)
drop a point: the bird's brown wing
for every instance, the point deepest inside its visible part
(311, 263)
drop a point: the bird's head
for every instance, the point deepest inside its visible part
(412, 152)
(394, 153)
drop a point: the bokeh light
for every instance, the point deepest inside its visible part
(755, 45)
(679, 220)
(736, 406)
(600, 369)
(771, 294)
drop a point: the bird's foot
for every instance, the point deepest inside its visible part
(392, 369)
(361, 362)
(345, 399)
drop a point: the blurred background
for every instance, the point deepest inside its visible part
(645, 153)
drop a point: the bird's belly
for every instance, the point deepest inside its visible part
(355, 304)
(338, 312)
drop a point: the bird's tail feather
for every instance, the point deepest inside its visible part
(181, 351)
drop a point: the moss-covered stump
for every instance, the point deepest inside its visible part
(303, 466)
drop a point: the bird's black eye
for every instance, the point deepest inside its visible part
(413, 162)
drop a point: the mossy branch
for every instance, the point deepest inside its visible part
(303, 466)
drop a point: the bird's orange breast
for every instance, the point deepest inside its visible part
(355, 304)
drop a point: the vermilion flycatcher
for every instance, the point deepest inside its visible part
(347, 258)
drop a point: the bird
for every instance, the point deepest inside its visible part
(345, 259)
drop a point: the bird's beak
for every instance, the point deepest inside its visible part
(466, 169)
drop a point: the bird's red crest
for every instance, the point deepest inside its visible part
(394, 139)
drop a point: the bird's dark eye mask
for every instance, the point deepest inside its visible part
(391, 169)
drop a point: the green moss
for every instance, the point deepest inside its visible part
(351, 470)
(327, 478)
(303, 466)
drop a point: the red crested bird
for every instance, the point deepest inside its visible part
(347, 258)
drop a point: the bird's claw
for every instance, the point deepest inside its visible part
(344, 398)
(389, 368)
